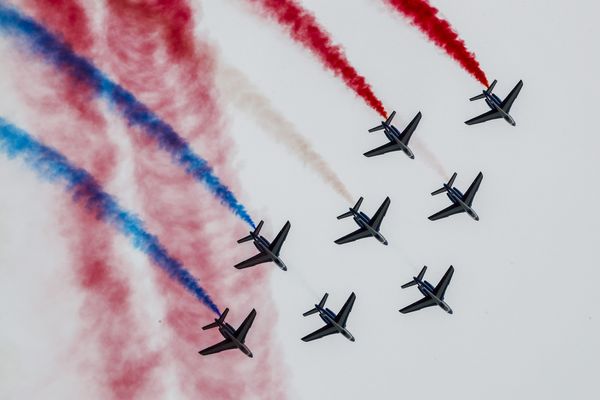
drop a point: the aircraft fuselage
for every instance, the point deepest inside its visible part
(456, 196)
(228, 332)
(427, 290)
(328, 317)
(363, 221)
(393, 134)
(495, 103)
(263, 245)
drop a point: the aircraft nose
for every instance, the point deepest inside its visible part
(450, 311)
(412, 156)
(477, 218)
(352, 339)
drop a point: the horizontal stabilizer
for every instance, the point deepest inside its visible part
(422, 273)
(252, 235)
(377, 128)
(390, 118)
(445, 187)
(409, 284)
(440, 190)
(478, 97)
(451, 181)
(350, 213)
(345, 215)
(310, 312)
(218, 321)
(323, 300)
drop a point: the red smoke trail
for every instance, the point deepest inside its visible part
(304, 28)
(69, 120)
(179, 87)
(439, 31)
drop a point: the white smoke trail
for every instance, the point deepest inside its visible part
(237, 88)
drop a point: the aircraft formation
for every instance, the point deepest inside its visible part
(369, 227)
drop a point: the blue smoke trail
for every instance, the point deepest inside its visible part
(54, 167)
(53, 50)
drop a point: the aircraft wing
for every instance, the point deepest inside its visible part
(252, 261)
(470, 193)
(424, 302)
(448, 211)
(241, 332)
(375, 222)
(386, 148)
(492, 114)
(510, 99)
(408, 131)
(441, 287)
(351, 237)
(221, 346)
(280, 238)
(319, 333)
(342, 316)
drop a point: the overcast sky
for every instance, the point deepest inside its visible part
(525, 322)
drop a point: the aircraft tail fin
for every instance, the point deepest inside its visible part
(219, 321)
(414, 281)
(314, 310)
(488, 91)
(352, 210)
(253, 234)
(445, 187)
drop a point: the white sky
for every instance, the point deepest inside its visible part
(524, 295)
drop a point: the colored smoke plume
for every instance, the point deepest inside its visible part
(54, 167)
(304, 28)
(237, 88)
(425, 17)
(60, 54)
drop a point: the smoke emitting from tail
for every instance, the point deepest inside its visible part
(238, 89)
(53, 166)
(424, 16)
(304, 28)
(59, 54)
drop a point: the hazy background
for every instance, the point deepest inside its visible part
(524, 295)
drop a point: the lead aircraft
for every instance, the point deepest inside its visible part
(500, 108)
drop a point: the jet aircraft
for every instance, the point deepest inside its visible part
(460, 202)
(234, 338)
(398, 141)
(334, 323)
(368, 226)
(268, 251)
(499, 108)
(433, 296)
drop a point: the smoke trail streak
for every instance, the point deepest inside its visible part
(237, 88)
(424, 16)
(304, 28)
(430, 158)
(54, 167)
(153, 48)
(60, 55)
(125, 361)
